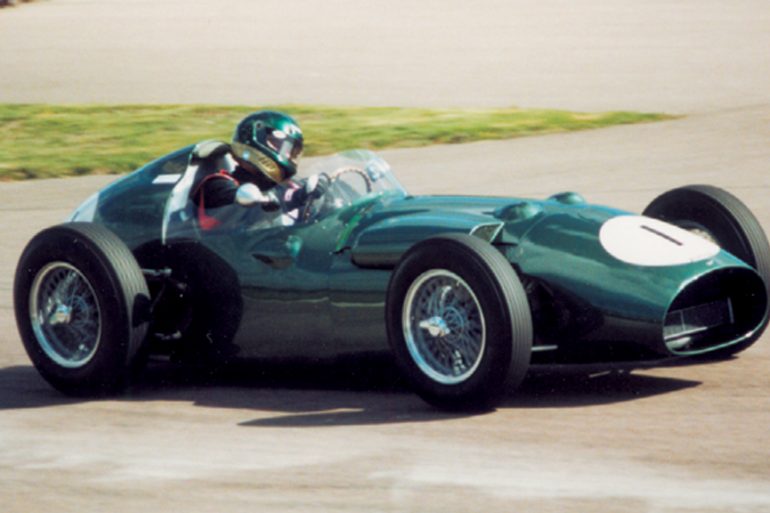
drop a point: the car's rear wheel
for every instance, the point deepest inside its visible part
(458, 322)
(719, 216)
(81, 305)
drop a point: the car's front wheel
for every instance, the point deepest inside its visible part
(81, 306)
(720, 217)
(458, 322)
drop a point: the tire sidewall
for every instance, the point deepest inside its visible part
(104, 371)
(486, 382)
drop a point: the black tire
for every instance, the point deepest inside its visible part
(87, 344)
(720, 216)
(475, 274)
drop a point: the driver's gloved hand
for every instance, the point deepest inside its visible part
(272, 204)
(312, 188)
(315, 186)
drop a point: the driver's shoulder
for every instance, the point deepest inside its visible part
(209, 149)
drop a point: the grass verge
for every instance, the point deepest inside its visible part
(44, 141)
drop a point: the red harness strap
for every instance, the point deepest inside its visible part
(206, 221)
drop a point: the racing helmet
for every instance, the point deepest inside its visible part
(277, 139)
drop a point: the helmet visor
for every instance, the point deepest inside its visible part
(288, 148)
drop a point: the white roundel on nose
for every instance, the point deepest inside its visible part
(645, 241)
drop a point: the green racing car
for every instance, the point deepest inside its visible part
(466, 293)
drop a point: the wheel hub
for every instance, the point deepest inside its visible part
(61, 315)
(436, 326)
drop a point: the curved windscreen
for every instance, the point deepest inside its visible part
(351, 177)
(347, 179)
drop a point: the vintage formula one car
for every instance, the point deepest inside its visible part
(466, 292)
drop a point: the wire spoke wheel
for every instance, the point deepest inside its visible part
(458, 322)
(444, 326)
(65, 315)
(82, 308)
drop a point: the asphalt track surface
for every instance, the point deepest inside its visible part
(348, 437)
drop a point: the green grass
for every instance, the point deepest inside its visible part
(39, 141)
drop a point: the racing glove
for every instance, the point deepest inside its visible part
(312, 188)
(316, 186)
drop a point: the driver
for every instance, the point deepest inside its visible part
(255, 169)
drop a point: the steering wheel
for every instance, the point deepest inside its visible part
(333, 177)
(352, 169)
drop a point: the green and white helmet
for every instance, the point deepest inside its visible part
(274, 135)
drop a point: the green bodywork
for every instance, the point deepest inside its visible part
(318, 289)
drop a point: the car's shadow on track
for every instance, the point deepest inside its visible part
(357, 391)
(21, 387)
(572, 388)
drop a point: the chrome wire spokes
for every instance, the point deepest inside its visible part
(444, 326)
(65, 315)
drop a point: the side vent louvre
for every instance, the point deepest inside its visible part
(487, 232)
